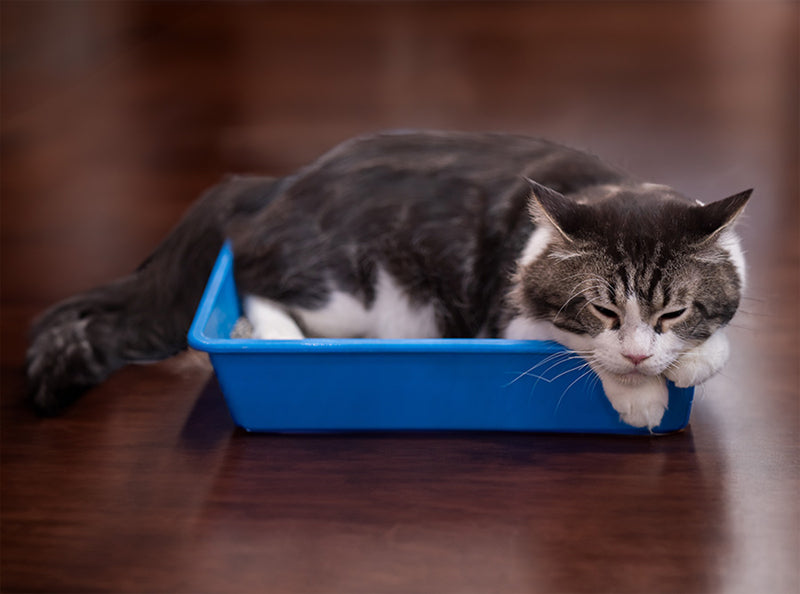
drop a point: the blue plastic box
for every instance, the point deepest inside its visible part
(320, 385)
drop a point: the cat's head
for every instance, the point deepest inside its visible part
(631, 276)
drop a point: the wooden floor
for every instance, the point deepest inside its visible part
(116, 115)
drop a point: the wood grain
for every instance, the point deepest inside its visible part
(116, 115)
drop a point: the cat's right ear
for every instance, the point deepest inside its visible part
(720, 215)
(548, 207)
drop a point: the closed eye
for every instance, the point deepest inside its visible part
(605, 312)
(672, 315)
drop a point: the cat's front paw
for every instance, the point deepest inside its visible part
(687, 373)
(640, 404)
(697, 365)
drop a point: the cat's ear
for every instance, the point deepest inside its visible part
(548, 207)
(720, 215)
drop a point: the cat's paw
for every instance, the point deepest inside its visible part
(268, 321)
(641, 404)
(63, 362)
(697, 365)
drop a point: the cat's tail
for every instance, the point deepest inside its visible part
(144, 316)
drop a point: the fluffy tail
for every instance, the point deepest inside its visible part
(144, 316)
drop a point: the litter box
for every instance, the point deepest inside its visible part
(323, 385)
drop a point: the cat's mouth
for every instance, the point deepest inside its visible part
(631, 377)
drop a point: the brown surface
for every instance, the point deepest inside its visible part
(114, 116)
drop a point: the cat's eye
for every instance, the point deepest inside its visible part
(672, 315)
(605, 312)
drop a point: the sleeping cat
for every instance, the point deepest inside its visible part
(427, 234)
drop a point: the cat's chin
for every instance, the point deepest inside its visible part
(631, 378)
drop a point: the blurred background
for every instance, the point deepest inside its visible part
(116, 115)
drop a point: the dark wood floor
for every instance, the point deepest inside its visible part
(116, 115)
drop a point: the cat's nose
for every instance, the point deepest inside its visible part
(636, 359)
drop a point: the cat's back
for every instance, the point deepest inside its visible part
(491, 160)
(475, 153)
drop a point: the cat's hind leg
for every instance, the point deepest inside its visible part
(79, 342)
(269, 320)
(144, 316)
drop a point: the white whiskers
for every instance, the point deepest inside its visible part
(556, 359)
(580, 363)
(575, 381)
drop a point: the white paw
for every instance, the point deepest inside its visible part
(641, 404)
(697, 365)
(269, 321)
(687, 373)
(279, 332)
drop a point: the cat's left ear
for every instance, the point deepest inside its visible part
(549, 207)
(720, 215)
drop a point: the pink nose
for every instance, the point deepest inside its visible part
(636, 359)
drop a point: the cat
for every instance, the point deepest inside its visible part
(433, 234)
